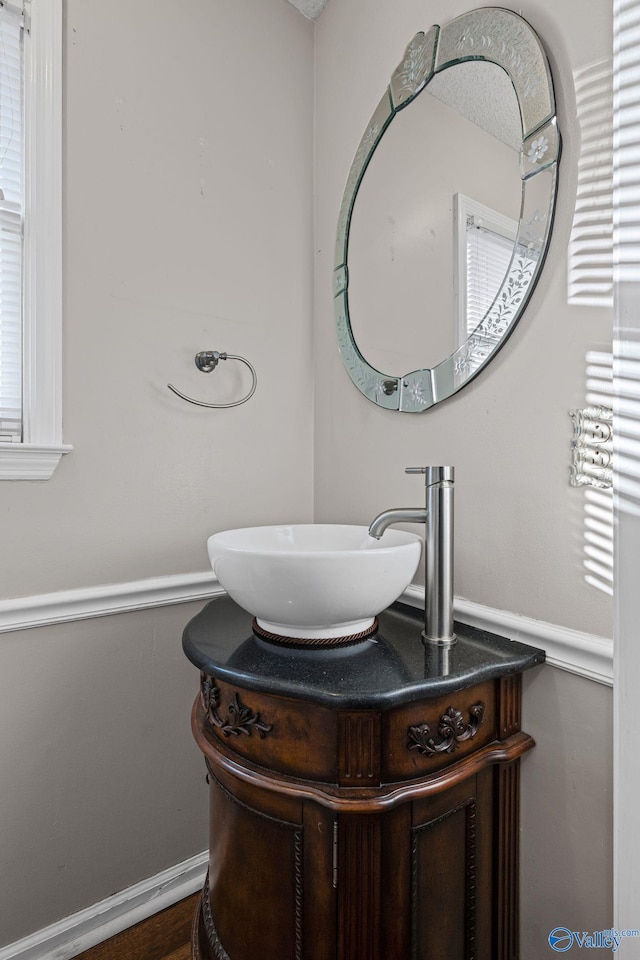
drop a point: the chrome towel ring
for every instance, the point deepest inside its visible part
(206, 361)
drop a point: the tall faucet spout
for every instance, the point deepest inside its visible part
(437, 516)
(396, 515)
(438, 581)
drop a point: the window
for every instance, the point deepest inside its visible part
(11, 219)
(30, 239)
(484, 247)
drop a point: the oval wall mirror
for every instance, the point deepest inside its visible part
(439, 247)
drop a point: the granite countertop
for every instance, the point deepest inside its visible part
(389, 668)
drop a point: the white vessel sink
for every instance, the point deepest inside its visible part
(314, 581)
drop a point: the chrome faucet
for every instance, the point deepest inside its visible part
(437, 515)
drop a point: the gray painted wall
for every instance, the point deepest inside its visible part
(187, 226)
(102, 783)
(518, 522)
(566, 852)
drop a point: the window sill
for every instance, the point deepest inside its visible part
(30, 461)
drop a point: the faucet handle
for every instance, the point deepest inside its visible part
(434, 474)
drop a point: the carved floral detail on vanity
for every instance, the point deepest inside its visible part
(452, 729)
(241, 719)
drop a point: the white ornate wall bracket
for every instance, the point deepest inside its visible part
(592, 447)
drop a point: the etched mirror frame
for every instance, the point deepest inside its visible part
(503, 38)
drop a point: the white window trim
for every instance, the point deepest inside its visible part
(37, 457)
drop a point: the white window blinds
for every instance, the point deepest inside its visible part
(484, 244)
(11, 222)
(488, 258)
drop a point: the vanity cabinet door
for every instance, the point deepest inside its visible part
(464, 869)
(451, 869)
(252, 901)
(419, 882)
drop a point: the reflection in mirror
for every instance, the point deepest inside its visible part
(403, 243)
(484, 241)
(447, 210)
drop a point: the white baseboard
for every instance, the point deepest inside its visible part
(105, 919)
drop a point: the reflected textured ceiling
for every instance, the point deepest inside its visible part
(310, 8)
(483, 93)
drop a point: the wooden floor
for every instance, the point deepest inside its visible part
(165, 936)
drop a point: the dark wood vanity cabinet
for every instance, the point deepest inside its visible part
(385, 828)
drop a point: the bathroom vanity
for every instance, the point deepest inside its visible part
(363, 798)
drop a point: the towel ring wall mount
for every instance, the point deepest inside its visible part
(206, 361)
